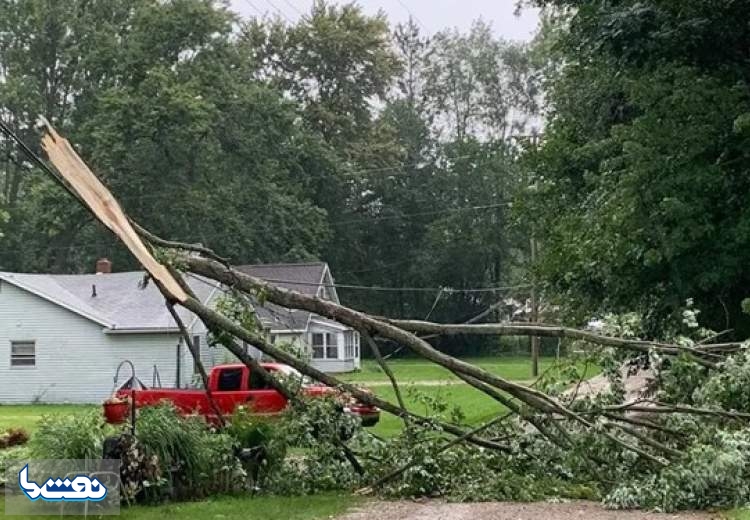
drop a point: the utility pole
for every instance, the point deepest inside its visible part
(534, 314)
(534, 295)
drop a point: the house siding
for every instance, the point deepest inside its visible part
(75, 359)
(334, 365)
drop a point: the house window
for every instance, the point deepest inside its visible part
(22, 354)
(273, 339)
(318, 346)
(356, 345)
(332, 347)
(349, 344)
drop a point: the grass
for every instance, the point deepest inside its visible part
(738, 514)
(413, 370)
(476, 406)
(229, 508)
(27, 416)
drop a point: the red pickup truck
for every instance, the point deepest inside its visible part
(231, 386)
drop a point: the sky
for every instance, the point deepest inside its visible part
(431, 15)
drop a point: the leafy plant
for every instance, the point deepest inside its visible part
(713, 473)
(12, 454)
(199, 460)
(70, 436)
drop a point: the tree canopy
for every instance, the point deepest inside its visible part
(379, 149)
(640, 182)
(618, 139)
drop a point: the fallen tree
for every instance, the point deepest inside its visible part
(586, 438)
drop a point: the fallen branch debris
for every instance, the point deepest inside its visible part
(565, 422)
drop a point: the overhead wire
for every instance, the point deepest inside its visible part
(422, 214)
(94, 247)
(287, 2)
(445, 290)
(255, 7)
(282, 13)
(161, 196)
(414, 16)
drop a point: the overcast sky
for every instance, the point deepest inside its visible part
(432, 15)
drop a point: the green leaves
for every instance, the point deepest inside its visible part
(645, 163)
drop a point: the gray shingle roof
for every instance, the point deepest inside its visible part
(277, 318)
(300, 277)
(307, 275)
(120, 303)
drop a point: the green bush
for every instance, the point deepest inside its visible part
(250, 430)
(314, 431)
(11, 454)
(200, 460)
(71, 436)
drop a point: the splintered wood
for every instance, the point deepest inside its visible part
(99, 199)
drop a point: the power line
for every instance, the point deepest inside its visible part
(420, 214)
(287, 2)
(282, 13)
(160, 196)
(379, 268)
(261, 13)
(413, 15)
(266, 228)
(444, 290)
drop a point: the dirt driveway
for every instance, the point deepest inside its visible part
(438, 510)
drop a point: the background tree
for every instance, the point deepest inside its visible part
(641, 180)
(159, 101)
(386, 153)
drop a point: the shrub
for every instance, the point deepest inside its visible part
(10, 454)
(72, 436)
(258, 444)
(199, 460)
(727, 388)
(318, 426)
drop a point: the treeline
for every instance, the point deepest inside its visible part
(401, 159)
(388, 154)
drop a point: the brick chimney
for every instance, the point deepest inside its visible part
(103, 266)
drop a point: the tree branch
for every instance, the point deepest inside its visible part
(197, 360)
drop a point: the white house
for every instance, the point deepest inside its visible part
(331, 346)
(62, 337)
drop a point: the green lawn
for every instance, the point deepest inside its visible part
(27, 416)
(229, 508)
(476, 406)
(414, 370)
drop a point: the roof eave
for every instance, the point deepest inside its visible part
(142, 330)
